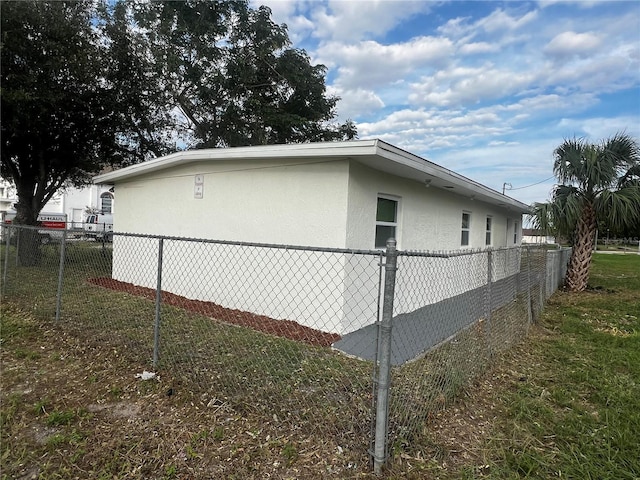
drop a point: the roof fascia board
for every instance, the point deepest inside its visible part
(351, 149)
(431, 169)
(299, 150)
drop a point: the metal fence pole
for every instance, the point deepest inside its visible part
(18, 235)
(8, 232)
(156, 329)
(374, 371)
(543, 281)
(384, 370)
(488, 302)
(63, 244)
(529, 286)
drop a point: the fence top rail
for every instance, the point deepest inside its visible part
(456, 253)
(376, 253)
(352, 251)
(235, 243)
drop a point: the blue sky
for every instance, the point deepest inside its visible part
(487, 89)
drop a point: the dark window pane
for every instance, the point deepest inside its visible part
(465, 220)
(487, 240)
(384, 233)
(386, 210)
(465, 238)
(488, 224)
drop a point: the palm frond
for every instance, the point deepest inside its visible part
(560, 215)
(621, 207)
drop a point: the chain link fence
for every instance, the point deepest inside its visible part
(360, 347)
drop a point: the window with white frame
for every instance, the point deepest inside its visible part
(515, 232)
(106, 202)
(487, 235)
(466, 227)
(386, 220)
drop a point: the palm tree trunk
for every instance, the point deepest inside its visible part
(580, 261)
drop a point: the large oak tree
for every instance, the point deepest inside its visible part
(86, 84)
(233, 76)
(57, 119)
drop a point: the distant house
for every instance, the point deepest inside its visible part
(531, 235)
(350, 195)
(8, 196)
(72, 201)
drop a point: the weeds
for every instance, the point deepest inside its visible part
(566, 404)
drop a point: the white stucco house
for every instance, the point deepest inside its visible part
(72, 201)
(535, 236)
(349, 195)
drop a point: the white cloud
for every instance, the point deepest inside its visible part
(354, 103)
(369, 63)
(435, 129)
(468, 86)
(499, 20)
(478, 47)
(358, 19)
(568, 44)
(601, 74)
(595, 129)
(456, 27)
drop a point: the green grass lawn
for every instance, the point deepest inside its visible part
(564, 404)
(574, 411)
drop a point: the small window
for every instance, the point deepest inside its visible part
(386, 221)
(487, 237)
(106, 202)
(466, 223)
(515, 232)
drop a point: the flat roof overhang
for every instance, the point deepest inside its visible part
(375, 154)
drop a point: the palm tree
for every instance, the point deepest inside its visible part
(596, 181)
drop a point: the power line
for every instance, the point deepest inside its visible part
(533, 184)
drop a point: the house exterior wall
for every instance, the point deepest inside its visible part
(293, 202)
(75, 200)
(8, 196)
(430, 219)
(277, 202)
(71, 201)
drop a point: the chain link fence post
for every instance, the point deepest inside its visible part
(488, 302)
(18, 237)
(384, 369)
(8, 232)
(156, 328)
(527, 252)
(63, 244)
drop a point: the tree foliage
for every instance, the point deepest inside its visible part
(231, 73)
(56, 119)
(88, 84)
(599, 183)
